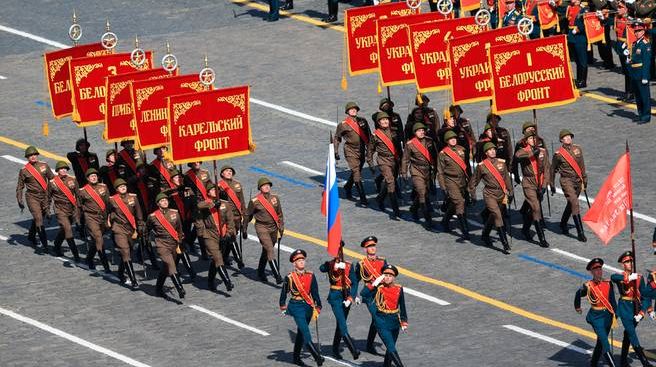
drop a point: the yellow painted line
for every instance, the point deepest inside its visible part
(23, 146)
(612, 101)
(288, 14)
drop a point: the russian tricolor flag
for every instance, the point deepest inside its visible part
(330, 205)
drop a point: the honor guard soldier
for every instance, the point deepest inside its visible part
(179, 199)
(33, 178)
(93, 200)
(196, 178)
(621, 48)
(82, 160)
(422, 114)
(497, 194)
(535, 167)
(219, 228)
(419, 164)
(333, 8)
(367, 270)
(62, 189)
(266, 208)
(486, 137)
(109, 172)
(504, 143)
(232, 192)
(389, 310)
(341, 277)
(128, 157)
(512, 15)
(159, 171)
(396, 124)
(602, 309)
(639, 69)
(453, 173)
(629, 310)
(304, 305)
(648, 293)
(126, 222)
(387, 147)
(568, 161)
(576, 37)
(355, 132)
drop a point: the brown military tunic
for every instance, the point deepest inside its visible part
(65, 210)
(504, 145)
(109, 174)
(452, 178)
(530, 184)
(388, 161)
(428, 117)
(36, 195)
(420, 167)
(494, 194)
(215, 232)
(570, 181)
(159, 180)
(81, 162)
(123, 231)
(166, 244)
(238, 189)
(95, 215)
(354, 146)
(194, 179)
(265, 226)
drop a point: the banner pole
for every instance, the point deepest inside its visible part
(636, 306)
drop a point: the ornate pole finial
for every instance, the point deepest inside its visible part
(107, 26)
(136, 41)
(168, 47)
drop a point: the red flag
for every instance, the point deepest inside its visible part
(607, 216)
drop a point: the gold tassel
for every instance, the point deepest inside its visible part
(447, 113)
(614, 325)
(380, 88)
(344, 82)
(315, 314)
(418, 99)
(45, 130)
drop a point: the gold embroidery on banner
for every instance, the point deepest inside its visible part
(238, 100)
(388, 32)
(555, 50)
(81, 72)
(197, 86)
(358, 20)
(145, 93)
(470, 28)
(180, 109)
(501, 59)
(98, 53)
(510, 38)
(460, 50)
(55, 65)
(402, 12)
(116, 89)
(143, 66)
(419, 38)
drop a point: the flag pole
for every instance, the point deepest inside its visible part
(636, 306)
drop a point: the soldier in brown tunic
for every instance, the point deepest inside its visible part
(219, 229)
(568, 161)
(62, 189)
(503, 141)
(418, 163)
(166, 226)
(526, 127)
(195, 179)
(534, 162)
(356, 134)
(109, 172)
(82, 160)
(466, 137)
(181, 199)
(159, 171)
(422, 114)
(387, 147)
(396, 124)
(453, 173)
(266, 208)
(486, 137)
(33, 178)
(126, 221)
(496, 194)
(93, 200)
(232, 192)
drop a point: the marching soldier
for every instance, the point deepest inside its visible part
(166, 225)
(159, 171)
(181, 196)
(219, 228)
(266, 208)
(93, 200)
(496, 194)
(127, 159)
(355, 132)
(333, 8)
(367, 270)
(126, 221)
(389, 310)
(534, 163)
(539, 142)
(387, 147)
(629, 311)
(486, 137)
(639, 69)
(109, 172)
(466, 136)
(341, 277)
(602, 309)
(82, 160)
(196, 178)
(33, 178)
(396, 124)
(419, 164)
(304, 305)
(619, 45)
(568, 161)
(62, 189)
(513, 15)
(576, 37)
(453, 173)
(233, 193)
(274, 11)
(422, 114)
(504, 143)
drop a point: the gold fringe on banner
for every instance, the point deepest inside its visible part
(380, 88)
(45, 130)
(344, 84)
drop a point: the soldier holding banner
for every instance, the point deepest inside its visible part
(453, 173)
(33, 179)
(621, 48)
(126, 221)
(425, 115)
(109, 172)
(576, 37)
(93, 200)
(387, 147)
(196, 178)
(396, 124)
(128, 157)
(81, 160)
(504, 143)
(639, 71)
(419, 164)
(232, 192)
(180, 199)
(62, 189)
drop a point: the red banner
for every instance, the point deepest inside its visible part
(360, 35)
(547, 15)
(88, 84)
(594, 31)
(530, 75)
(58, 75)
(469, 5)
(429, 50)
(469, 69)
(149, 104)
(119, 119)
(394, 55)
(210, 125)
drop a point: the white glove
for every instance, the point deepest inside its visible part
(347, 303)
(637, 318)
(652, 315)
(552, 3)
(376, 2)
(645, 81)
(404, 328)
(283, 314)
(626, 52)
(340, 265)
(573, 31)
(633, 276)
(378, 280)
(358, 300)
(629, 1)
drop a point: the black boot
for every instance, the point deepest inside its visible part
(178, 285)
(485, 236)
(104, 261)
(394, 356)
(315, 354)
(223, 273)
(91, 253)
(351, 347)
(236, 252)
(564, 219)
(580, 235)
(641, 356)
(44, 239)
(526, 226)
(464, 226)
(260, 268)
(211, 277)
(624, 354)
(57, 244)
(396, 213)
(380, 198)
(298, 346)
(414, 210)
(159, 286)
(371, 336)
(386, 361)
(428, 219)
(186, 262)
(363, 195)
(273, 265)
(504, 239)
(378, 181)
(121, 273)
(132, 274)
(336, 339)
(288, 5)
(447, 218)
(225, 252)
(348, 188)
(540, 231)
(74, 250)
(609, 359)
(31, 234)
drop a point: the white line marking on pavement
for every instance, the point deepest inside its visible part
(342, 362)
(72, 338)
(14, 159)
(292, 112)
(547, 339)
(3, 77)
(3, 238)
(229, 320)
(33, 37)
(582, 259)
(85, 267)
(308, 170)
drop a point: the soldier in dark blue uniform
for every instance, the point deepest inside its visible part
(341, 277)
(274, 11)
(513, 15)
(576, 37)
(389, 311)
(621, 23)
(602, 309)
(304, 305)
(639, 65)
